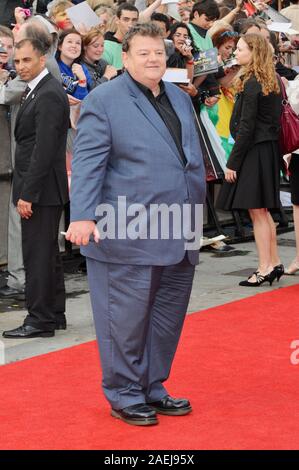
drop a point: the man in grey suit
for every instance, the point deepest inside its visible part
(137, 150)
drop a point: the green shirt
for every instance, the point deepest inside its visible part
(113, 53)
(201, 43)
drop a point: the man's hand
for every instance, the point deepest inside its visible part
(79, 232)
(230, 176)
(190, 89)
(24, 208)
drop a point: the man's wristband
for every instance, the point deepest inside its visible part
(190, 62)
(82, 82)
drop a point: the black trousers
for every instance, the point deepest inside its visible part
(44, 289)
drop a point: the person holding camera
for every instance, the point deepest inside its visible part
(182, 57)
(183, 54)
(6, 49)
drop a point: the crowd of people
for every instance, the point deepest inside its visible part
(62, 125)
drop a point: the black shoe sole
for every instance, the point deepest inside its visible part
(135, 421)
(13, 297)
(46, 334)
(177, 412)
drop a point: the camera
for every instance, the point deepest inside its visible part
(12, 74)
(27, 12)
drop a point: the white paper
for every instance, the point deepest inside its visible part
(205, 241)
(293, 32)
(276, 16)
(172, 10)
(168, 1)
(175, 75)
(279, 27)
(83, 14)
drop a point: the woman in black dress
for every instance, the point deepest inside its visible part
(252, 175)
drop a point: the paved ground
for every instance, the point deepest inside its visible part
(216, 282)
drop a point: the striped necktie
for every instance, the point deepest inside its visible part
(25, 94)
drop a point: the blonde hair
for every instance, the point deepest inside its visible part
(59, 6)
(261, 66)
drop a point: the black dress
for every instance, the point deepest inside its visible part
(255, 155)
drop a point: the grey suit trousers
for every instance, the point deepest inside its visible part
(15, 267)
(139, 313)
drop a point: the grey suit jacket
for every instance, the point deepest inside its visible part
(123, 148)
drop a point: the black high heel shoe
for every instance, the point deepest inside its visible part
(259, 279)
(279, 269)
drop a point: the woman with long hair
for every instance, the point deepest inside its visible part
(183, 44)
(75, 77)
(252, 175)
(182, 57)
(93, 46)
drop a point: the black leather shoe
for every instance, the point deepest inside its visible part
(27, 331)
(60, 322)
(138, 415)
(172, 406)
(7, 292)
(60, 325)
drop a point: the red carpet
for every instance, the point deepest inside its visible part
(233, 363)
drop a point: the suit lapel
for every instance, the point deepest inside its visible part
(31, 97)
(151, 114)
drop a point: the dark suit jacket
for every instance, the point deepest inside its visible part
(41, 132)
(255, 119)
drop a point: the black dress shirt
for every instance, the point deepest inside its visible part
(165, 110)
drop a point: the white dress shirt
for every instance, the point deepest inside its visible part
(33, 83)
